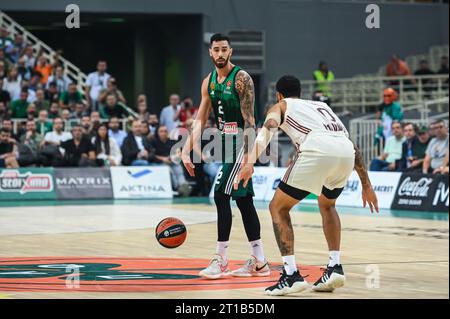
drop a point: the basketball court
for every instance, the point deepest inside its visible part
(107, 249)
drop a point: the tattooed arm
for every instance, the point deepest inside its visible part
(246, 90)
(368, 194)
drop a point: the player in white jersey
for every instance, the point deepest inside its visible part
(324, 161)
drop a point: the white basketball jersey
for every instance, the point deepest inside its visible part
(304, 116)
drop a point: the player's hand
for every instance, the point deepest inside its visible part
(369, 197)
(188, 164)
(244, 174)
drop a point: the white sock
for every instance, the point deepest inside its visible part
(335, 258)
(289, 264)
(222, 247)
(257, 250)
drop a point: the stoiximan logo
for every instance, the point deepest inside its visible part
(14, 181)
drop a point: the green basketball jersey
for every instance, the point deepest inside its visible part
(229, 120)
(227, 109)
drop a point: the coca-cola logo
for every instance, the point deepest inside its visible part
(415, 188)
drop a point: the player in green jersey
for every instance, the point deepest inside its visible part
(229, 91)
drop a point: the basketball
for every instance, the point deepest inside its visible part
(171, 232)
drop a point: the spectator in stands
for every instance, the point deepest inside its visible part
(427, 84)
(15, 50)
(31, 93)
(70, 97)
(95, 117)
(112, 108)
(390, 110)
(444, 169)
(78, 111)
(51, 144)
(19, 107)
(115, 132)
(413, 150)
(65, 115)
(4, 111)
(79, 151)
(8, 124)
(4, 95)
(392, 150)
(324, 78)
(153, 123)
(186, 112)
(163, 146)
(8, 149)
(52, 94)
(86, 126)
(12, 84)
(40, 101)
(5, 39)
(22, 70)
(145, 130)
(167, 117)
(44, 68)
(397, 67)
(136, 150)
(29, 146)
(106, 149)
(28, 56)
(54, 110)
(62, 81)
(43, 123)
(111, 89)
(142, 111)
(437, 149)
(32, 112)
(95, 82)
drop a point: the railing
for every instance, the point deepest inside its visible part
(39, 47)
(360, 93)
(363, 131)
(74, 73)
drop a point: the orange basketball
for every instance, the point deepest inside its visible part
(171, 232)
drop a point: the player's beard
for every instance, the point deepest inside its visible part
(221, 64)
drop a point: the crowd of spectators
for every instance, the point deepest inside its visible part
(413, 148)
(46, 120)
(397, 67)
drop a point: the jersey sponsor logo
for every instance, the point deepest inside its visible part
(94, 274)
(14, 181)
(228, 87)
(230, 128)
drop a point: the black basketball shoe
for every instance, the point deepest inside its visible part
(288, 285)
(332, 278)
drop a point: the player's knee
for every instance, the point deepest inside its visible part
(275, 208)
(244, 202)
(326, 204)
(220, 197)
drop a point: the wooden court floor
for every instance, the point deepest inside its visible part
(113, 248)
